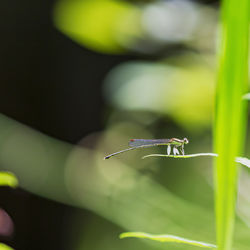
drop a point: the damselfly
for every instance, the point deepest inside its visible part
(142, 143)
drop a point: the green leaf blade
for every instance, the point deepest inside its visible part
(166, 238)
(242, 160)
(231, 114)
(180, 156)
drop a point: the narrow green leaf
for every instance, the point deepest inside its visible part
(180, 156)
(8, 179)
(5, 247)
(230, 114)
(166, 238)
(242, 160)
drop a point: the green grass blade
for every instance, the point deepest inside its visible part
(8, 179)
(230, 120)
(180, 156)
(166, 238)
(242, 160)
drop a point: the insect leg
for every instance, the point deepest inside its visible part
(175, 150)
(182, 149)
(168, 149)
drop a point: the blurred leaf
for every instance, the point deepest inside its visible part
(5, 247)
(8, 179)
(165, 89)
(94, 23)
(166, 238)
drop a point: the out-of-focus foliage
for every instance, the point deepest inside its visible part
(123, 190)
(5, 247)
(96, 24)
(34, 156)
(8, 179)
(117, 26)
(181, 90)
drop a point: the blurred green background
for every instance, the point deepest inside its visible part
(78, 80)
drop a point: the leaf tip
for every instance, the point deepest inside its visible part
(8, 179)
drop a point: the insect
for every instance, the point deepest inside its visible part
(144, 143)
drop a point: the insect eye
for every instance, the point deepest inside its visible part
(185, 140)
